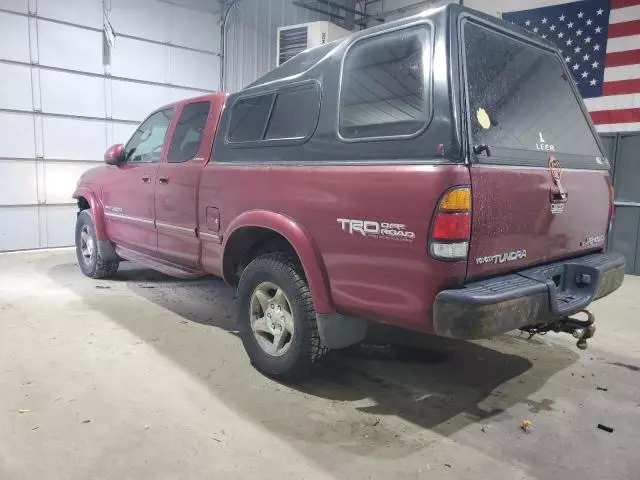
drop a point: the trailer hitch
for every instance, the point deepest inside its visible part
(580, 329)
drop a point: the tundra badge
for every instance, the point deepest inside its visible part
(591, 241)
(503, 257)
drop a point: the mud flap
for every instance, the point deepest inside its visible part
(339, 331)
(107, 251)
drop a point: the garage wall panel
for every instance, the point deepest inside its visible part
(73, 139)
(202, 77)
(18, 182)
(17, 135)
(21, 6)
(82, 12)
(72, 94)
(61, 179)
(134, 101)
(164, 22)
(19, 228)
(142, 18)
(15, 87)
(69, 47)
(60, 222)
(14, 37)
(199, 30)
(139, 60)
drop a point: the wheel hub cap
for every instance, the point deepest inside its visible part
(271, 319)
(87, 245)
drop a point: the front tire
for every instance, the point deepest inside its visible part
(276, 318)
(91, 262)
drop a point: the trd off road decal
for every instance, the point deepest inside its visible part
(370, 228)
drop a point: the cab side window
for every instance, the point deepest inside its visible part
(145, 146)
(187, 136)
(248, 118)
(287, 115)
(294, 113)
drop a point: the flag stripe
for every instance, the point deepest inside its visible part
(624, 29)
(625, 115)
(618, 59)
(624, 14)
(623, 43)
(612, 102)
(621, 87)
(618, 127)
(625, 72)
(623, 3)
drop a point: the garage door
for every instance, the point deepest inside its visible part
(65, 96)
(625, 237)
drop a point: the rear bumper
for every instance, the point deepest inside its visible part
(534, 296)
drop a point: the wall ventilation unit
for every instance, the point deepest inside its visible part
(294, 39)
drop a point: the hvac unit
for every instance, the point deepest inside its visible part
(293, 39)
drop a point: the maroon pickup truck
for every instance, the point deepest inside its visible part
(438, 174)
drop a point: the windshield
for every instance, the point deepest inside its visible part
(522, 104)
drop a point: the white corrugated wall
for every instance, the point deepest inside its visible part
(61, 106)
(251, 37)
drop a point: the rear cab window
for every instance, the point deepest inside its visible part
(187, 136)
(522, 105)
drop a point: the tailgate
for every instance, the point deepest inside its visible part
(540, 182)
(513, 223)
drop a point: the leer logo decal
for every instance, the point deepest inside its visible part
(544, 146)
(371, 228)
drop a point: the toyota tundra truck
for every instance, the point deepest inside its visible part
(439, 174)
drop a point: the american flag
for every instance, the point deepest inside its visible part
(600, 43)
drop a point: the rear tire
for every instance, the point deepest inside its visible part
(282, 337)
(91, 262)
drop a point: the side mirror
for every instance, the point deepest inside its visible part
(114, 155)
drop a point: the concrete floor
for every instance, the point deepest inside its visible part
(143, 377)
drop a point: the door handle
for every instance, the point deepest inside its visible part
(164, 181)
(146, 179)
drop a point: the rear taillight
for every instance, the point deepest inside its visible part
(451, 226)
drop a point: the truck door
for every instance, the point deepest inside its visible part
(176, 199)
(128, 193)
(540, 181)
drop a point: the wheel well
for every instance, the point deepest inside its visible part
(83, 204)
(248, 243)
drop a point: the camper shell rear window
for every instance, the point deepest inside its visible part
(522, 103)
